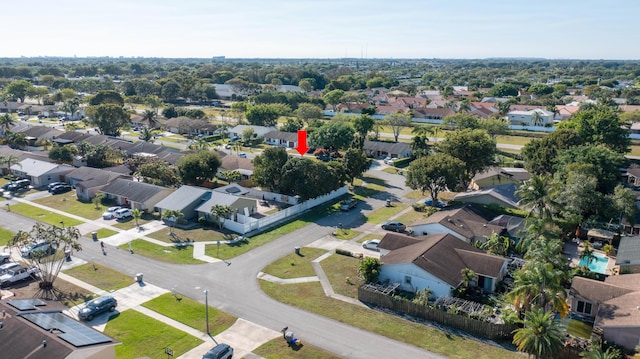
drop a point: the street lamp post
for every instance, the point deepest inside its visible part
(62, 223)
(206, 308)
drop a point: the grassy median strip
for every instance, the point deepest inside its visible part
(310, 297)
(142, 336)
(100, 276)
(295, 266)
(168, 254)
(43, 215)
(191, 313)
(279, 349)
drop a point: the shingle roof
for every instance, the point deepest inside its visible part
(594, 290)
(621, 312)
(184, 196)
(469, 221)
(217, 198)
(389, 147)
(628, 251)
(37, 168)
(280, 135)
(445, 256)
(133, 190)
(233, 162)
(93, 177)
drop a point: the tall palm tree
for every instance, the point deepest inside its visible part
(146, 134)
(17, 140)
(136, 214)
(588, 252)
(539, 285)
(6, 122)
(150, 116)
(541, 335)
(9, 160)
(172, 215)
(421, 130)
(596, 352)
(536, 195)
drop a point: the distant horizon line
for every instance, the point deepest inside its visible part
(224, 58)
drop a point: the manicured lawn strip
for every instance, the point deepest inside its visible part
(103, 233)
(513, 140)
(410, 217)
(635, 150)
(101, 277)
(370, 236)
(131, 223)
(392, 170)
(279, 349)
(228, 251)
(293, 265)
(142, 336)
(169, 254)
(42, 215)
(70, 203)
(310, 297)
(191, 313)
(342, 272)
(193, 235)
(579, 329)
(382, 214)
(5, 236)
(346, 234)
(415, 195)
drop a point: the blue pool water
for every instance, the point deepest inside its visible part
(597, 264)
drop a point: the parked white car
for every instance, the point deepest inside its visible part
(371, 244)
(110, 212)
(123, 213)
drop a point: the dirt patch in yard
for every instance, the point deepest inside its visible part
(71, 294)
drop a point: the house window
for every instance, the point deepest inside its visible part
(407, 279)
(583, 307)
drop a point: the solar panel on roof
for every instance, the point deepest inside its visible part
(73, 332)
(26, 304)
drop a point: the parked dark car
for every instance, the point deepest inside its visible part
(61, 189)
(51, 185)
(439, 204)
(97, 306)
(394, 226)
(347, 204)
(220, 351)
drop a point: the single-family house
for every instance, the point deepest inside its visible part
(469, 223)
(428, 113)
(244, 166)
(88, 181)
(40, 173)
(612, 304)
(190, 126)
(185, 199)
(503, 196)
(494, 176)
(280, 138)
(384, 149)
(633, 175)
(628, 254)
(535, 117)
(38, 329)
(259, 131)
(17, 156)
(239, 205)
(436, 262)
(137, 195)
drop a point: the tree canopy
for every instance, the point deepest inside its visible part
(335, 135)
(199, 167)
(473, 147)
(268, 167)
(434, 173)
(109, 118)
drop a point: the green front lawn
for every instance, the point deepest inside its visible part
(191, 313)
(142, 336)
(345, 234)
(310, 297)
(169, 254)
(131, 223)
(104, 233)
(193, 235)
(70, 203)
(342, 272)
(410, 217)
(295, 266)
(279, 349)
(43, 215)
(100, 276)
(370, 236)
(382, 214)
(5, 236)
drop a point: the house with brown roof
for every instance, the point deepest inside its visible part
(436, 262)
(384, 149)
(280, 138)
(495, 176)
(235, 163)
(432, 113)
(612, 304)
(469, 223)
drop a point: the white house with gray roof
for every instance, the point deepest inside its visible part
(40, 173)
(185, 199)
(241, 205)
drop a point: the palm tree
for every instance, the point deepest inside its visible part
(596, 352)
(17, 140)
(496, 244)
(137, 214)
(539, 285)
(435, 131)
(421, 130)
(536, 195)
(6, 122)
(541, 335)
(150, 116)
(172, 215)
(145, 134)
(11, 159)
(220, 213)
(588, 252)
(536, 119)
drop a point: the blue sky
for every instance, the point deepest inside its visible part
(584, 29)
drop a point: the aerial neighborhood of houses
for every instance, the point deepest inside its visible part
(484, 205)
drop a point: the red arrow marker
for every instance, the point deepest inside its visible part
(302, 142)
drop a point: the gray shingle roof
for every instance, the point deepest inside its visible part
(134, 191)
(389, 147)
(183, 197)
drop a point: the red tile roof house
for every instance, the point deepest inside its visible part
(613, 304)
(436, 262)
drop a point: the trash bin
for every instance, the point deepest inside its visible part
(94, 235)
(139, 277)
(297, 249)
(67, 255)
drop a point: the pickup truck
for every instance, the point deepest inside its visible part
(16, 275)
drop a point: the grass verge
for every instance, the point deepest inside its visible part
(142, 336)
(346, 234)
(69, 203)
(342, 272)
(383, 213)
(279, 349)
(168, 254)
(43, 215)
(310, 297)
(104, 233)
(293, 265)
(194, 235)
(370, 236)
(190, 312)
(100, 276)
(5, 236)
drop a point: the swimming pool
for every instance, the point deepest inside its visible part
(597, 264)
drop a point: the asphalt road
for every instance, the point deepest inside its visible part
(233, 288)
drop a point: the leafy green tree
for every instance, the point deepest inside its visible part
(247, 134)
(460, 121)
(335, 135)
(369, 269)
(18, 89)
(155, 102)
(171, 90)
(334, 97)
(578, 198)
(624, 204)
(473, 147)
(292, 125)
(540, 154)
(62, 154)
(600, 125)
(97, 200)
(307, 178)
(109, 118)
(434, 173)
(197, 168)
(596, 160)
(540, 89)
(503, 90)
(420, 146)
(63, 239)
(397, 121)
(356, 163)
(263, 114)
(541, 335)
(157, 172)
(363, 124)
(231, 175)
(220, 213)
(268, 168)
(107, 97)
(307, 112)
(495, 126)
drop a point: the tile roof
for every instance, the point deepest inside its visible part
(444, 256)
